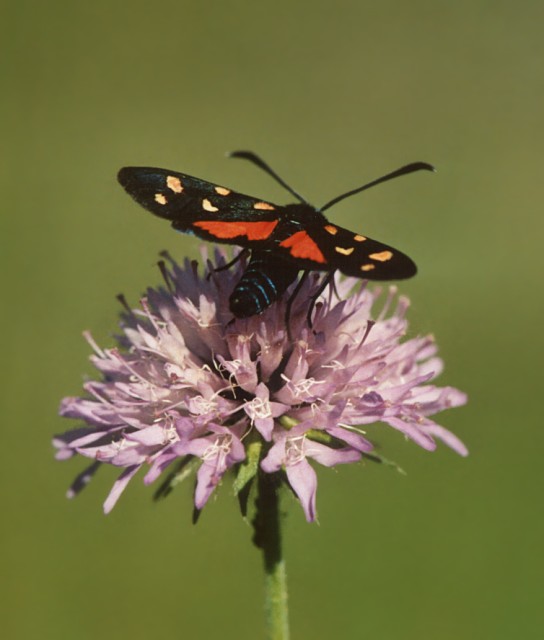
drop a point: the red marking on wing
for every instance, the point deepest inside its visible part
(250, 230)
(302, 246)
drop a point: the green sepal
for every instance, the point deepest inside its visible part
(287, 422)
(374, 457)
(248, 469)
(182, 470)
(320, 436)
(246, 474)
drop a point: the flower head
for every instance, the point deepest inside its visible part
(187, 382)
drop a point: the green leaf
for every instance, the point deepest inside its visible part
(374, 457)
(182, 470)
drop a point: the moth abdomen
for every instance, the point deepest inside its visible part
(263, 282)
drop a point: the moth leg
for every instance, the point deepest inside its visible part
(229, 264)
(290, 301)
(326, 281)
(334, 290)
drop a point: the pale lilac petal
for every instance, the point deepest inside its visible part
(355, 440)
(413, 432)
(238, 451)
(90, 411)
(446, 436)
(150, 436)
(265, 426)
(262, 412)
(243, 369)
(303, 479)
(118, 487)
(271, 348)
(63, 443)
(207, 480)
(298, 365)
(159, 465)
(434, 366)
(96, 436)
(195, 447)
(329, 457)
(130, 455)
(274, 460)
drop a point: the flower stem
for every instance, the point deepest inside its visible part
(268, 538)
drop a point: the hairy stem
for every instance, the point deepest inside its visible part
(268, 538)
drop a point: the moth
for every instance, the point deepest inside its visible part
(279, 240)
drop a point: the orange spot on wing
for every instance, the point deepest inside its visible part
(302, 246)
(226, 230)
(208, 206)
(382, 256)
(174, 183)
(344, 252)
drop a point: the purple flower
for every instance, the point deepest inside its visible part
(187, 384)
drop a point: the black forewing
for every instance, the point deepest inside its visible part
(187, 201)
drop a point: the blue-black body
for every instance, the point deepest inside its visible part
(264, 281)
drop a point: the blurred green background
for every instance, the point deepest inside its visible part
(332, 95)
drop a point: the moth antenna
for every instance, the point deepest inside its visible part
(253, 157)
(409, 168)
(290, 301)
